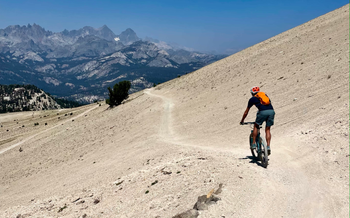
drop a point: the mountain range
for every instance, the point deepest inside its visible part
(81, 64)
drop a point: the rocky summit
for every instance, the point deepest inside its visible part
(81, 64)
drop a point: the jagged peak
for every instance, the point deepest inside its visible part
(128, 30)
(104, 27)
(13, 26)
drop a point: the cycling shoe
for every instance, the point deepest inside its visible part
(268, 150)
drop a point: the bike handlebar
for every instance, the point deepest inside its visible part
(246, 123)
(251, 123)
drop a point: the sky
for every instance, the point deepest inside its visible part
(219, 26)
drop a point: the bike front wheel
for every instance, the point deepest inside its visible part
(255, 153)
(253, 150)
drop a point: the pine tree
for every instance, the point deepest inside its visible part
(119, 93)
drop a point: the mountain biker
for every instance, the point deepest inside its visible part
(265, 113)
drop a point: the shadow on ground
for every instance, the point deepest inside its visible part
(252, 160)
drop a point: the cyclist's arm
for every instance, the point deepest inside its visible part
(245, 114)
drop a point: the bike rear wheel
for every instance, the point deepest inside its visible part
(263, 155)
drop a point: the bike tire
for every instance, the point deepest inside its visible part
(263, 155)
(254, 153)
(253, 150)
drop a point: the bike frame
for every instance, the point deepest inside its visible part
(261, 152)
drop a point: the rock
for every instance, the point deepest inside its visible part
(118, 183)
(76, 200)
(219, 189)
(200, 204)
(80, 202)
(165, 172)
(205, 200)
(62, 208)
(188, 214)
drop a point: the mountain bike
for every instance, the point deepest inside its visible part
(260, 152)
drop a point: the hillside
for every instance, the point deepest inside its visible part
(15, 98)
(155, 154)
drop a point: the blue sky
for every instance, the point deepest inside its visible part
(203, 25)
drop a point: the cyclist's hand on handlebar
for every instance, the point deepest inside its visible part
(241, 123)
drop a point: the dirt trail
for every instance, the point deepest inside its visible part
(166, 128)
(166, 131)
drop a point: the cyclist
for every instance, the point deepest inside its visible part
(265, 113)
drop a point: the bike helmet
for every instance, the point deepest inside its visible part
(254, 90)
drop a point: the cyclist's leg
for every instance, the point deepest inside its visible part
(260, 118)
(269, 123)
(255, 132)
(268, 135)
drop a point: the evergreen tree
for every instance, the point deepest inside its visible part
(119, 93)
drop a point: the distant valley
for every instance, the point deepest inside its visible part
(81, 64)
